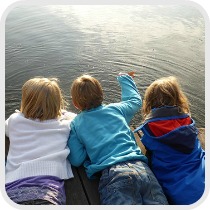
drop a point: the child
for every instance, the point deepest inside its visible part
(37, 159)
(177, 159)
(101, 138)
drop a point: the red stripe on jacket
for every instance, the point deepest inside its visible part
(162, 127)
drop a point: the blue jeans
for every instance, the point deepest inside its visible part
(130, 183)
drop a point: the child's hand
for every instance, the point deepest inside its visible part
(131, 73)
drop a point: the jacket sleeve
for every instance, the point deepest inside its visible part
(78, 153)
(131, 100)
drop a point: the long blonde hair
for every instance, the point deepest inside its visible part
(86, 92)
(42, 99)
(165, 91)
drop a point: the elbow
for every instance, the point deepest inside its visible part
(138, 102)
(76, 161)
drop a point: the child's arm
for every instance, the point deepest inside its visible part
(78, 153)
(131, 99)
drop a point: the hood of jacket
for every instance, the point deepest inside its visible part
(168, 126)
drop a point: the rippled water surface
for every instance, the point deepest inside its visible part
(67, 41)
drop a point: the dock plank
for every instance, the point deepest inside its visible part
(201, 137)
(75, 194)
(90, 187)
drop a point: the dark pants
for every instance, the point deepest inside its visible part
(36, 202)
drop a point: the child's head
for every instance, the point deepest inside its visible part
(42, 99)
(165, 91)
(86, 93)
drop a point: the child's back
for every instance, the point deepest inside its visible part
(170, 134)
(101, 139)
(37, 159)
(35, 146)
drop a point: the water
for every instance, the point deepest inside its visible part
(67, 41)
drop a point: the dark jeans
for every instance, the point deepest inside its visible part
(36, 202)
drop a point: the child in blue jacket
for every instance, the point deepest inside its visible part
(171, 137)
(102, 141)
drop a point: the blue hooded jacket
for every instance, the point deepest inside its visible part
(177, 159)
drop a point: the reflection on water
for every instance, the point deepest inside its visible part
(67, 41)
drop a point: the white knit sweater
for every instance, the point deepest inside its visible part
(37, 148)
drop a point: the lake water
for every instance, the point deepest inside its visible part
(67, 41)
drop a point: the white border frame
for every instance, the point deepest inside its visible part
(7, 6)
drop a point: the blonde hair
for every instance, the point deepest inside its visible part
(165, 91)
(42, 99)
(86, 92)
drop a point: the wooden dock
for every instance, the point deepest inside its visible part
(82, 191)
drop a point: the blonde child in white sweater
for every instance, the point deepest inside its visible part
(37, 162)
